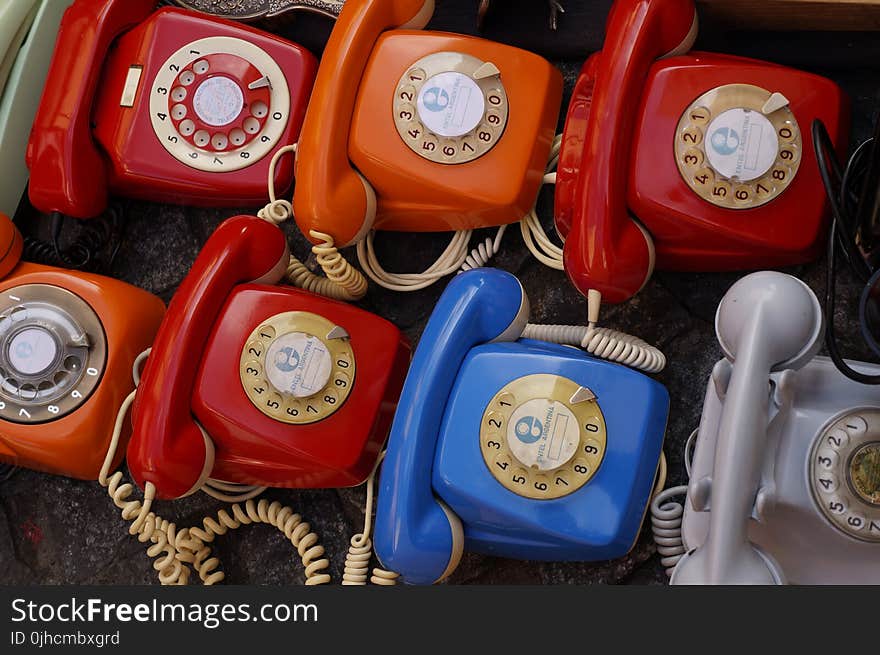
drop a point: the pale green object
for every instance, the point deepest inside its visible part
(28, 30)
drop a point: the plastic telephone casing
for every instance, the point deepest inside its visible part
(597, 522)
(793, 532)
(338, 451)
(76, 444)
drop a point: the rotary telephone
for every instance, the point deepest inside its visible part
(167, 106)
(785, 480)
(693, 161)
(517, 448)
(253, 384)
(420, 131)
(27, 31)
(67, 344)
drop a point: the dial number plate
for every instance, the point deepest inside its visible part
(733, 155)
(297, 367)
(543, 436)
(450, 108)
(219, 104)
(53, 352)
(844, 473)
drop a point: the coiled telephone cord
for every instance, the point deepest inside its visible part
(605, 343)
(342, 281)
(148, 526)
(194, 549)
(173, 549)
(360, 550)
(666, 516)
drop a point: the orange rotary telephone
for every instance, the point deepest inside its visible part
(699, 161)
(67, 344)
(420, 131)
(257, 384)
(168, 106)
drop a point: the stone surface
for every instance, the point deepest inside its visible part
(59, 531)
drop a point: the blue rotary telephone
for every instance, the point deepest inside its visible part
(512, 447)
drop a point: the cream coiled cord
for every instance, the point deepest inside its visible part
(173, 549)
(343, 281)
(601, 342)
(357, 561)
(193, 542)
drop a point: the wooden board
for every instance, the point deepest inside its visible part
(855, 15)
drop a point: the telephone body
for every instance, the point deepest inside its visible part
(687, 161)
(420, 131)
(27, 32)
(512, 447)
(785, 479)
(262, 385)
(68, 341)
(169, 106)
(822, 474)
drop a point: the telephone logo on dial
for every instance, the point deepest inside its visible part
(219, 104)
(297, 367)
(738, 146)
(543, 436)
(450, 108)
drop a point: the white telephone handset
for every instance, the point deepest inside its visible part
(766, 322)
(27, 35)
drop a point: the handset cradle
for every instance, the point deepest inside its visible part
(766, 322)
(484, 306)
(620, 258)
(62, 121)
(322, 152)
(168, 447)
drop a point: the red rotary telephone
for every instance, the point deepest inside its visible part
(698, 161)
(169, 106)
(262, 385)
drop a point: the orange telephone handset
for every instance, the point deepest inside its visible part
(420, 131)
(68, 341)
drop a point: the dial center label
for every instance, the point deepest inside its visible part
(543, 433)
(451, 104)
(32, 351)
(218, 101)
(742, 144)
(298, 364)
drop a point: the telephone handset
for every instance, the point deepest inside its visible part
(517, 448)
(785, 480)
(262, 385)
(67, 344)
(420, 131)
(739, 188)
(168, 106)
(27, 31)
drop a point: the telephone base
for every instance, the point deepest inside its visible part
(793, 531)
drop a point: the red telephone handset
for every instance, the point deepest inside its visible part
(168, 447)
(344, 193)
(78, 187)
(605, 248)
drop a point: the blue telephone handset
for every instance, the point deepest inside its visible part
(511, 446)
